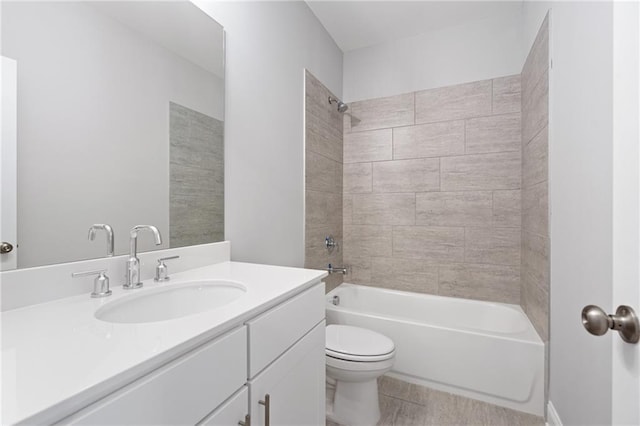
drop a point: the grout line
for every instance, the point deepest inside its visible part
(393, 146)
(414, 108)
(546, 126)
(465, 136)
(436, 122)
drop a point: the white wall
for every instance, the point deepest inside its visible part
(268, 46)
(92, 148)
(580, 198)
(626, 205)
(472, 51)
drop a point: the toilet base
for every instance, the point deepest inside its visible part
(355, 404)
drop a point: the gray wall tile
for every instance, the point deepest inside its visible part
(368, 240)
(498, 283)
(435, 244)
(322, 173)
(507, 212)
(462, 165)
(196, 177)
(535, 209)
(359, 269)
(382, 113)
(454, 102)
(317, 256)
(323, 179)
(534, 292)
(384, 209)
(429, 140)
(535, 258)
(535, 159)
(537, 62)
(454, 208)
(347, 209)
(357, 178)
(496, 246)
(535, 302)
(535, 109)
(406, 175)
(497, 133)
(361, 147)
(506, 94)
(323, 123)
(323, 208)
(404, 274)
(480, 172)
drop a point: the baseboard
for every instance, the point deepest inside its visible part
(553, 419)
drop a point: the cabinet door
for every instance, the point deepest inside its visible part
(295, 383)
(231, 412)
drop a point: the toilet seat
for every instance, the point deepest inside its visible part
(357, 344)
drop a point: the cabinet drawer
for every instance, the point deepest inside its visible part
(273, 332)
(231, 412)
(181, 392)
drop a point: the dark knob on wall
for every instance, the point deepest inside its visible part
(5, 247)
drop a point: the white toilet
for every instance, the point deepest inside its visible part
(355, 358)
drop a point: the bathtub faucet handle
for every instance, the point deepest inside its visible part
(330, 243)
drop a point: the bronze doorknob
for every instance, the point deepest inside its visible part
(624, 321)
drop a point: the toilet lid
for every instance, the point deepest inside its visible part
(348, 342)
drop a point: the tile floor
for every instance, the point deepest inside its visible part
(405, 404)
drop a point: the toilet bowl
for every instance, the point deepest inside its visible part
(355, 358)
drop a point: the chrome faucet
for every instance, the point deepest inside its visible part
(132, 280)
(344, 270)
(108, 230)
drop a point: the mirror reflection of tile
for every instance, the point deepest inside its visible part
(196, 175)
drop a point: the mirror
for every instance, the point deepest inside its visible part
(120, 109)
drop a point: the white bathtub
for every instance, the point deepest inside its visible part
(483, 350)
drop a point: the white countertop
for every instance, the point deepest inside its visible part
(57, 357)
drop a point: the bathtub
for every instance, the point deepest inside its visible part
(482, 350)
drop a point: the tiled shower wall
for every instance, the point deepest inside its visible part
(323, 179)
(196, 177)
(535, 186)
(432, 191)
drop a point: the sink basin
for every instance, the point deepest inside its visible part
(175, 301)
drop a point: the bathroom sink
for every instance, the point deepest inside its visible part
(175, 301)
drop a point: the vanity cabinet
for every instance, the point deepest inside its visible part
(231, 412)
(295, 385)
(279, 352)
(181, 392)
(286, 362)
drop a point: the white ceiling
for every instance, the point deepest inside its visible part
(357, 24)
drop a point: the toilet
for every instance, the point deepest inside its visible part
(355, 358)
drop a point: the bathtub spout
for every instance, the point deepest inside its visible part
(337, 270)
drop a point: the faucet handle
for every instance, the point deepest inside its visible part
(109, 233)
(100, 283)
(162, 272)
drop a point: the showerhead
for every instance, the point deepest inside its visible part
(342, 107)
